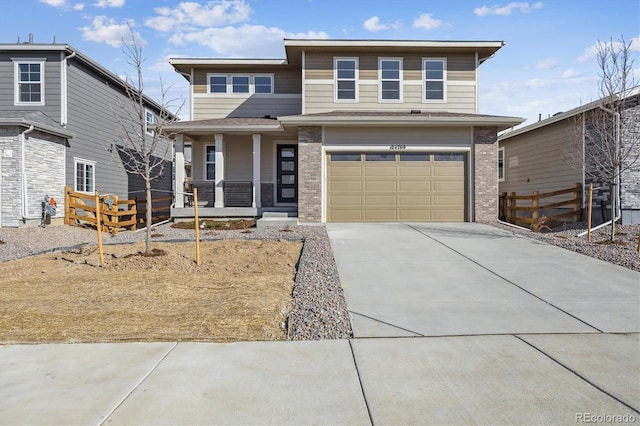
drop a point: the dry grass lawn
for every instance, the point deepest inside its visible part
(242, 291)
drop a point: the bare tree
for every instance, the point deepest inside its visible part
(144, 149)
(605, 148)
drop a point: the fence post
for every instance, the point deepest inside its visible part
(589, 206)
(535, 212)
(577, 202)
(134, 212)
(67, 205)
(114, 215)
(512, 207)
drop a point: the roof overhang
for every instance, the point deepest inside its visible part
(63, 133)
(411, 120)
(206, 127)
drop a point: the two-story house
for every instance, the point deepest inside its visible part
(59, 126)
(343, 130)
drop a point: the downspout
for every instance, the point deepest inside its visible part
(23, 173)
(618, 210)
(64, 113)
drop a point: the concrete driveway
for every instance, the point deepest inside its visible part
(454, 324)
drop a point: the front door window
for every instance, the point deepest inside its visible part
(287, 187)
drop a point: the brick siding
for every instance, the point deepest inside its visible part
(309, 174)
(486, 173)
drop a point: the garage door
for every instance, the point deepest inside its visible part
(395, 187)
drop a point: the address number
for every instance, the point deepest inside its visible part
(397, 147)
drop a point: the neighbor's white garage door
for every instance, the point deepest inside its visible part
(395, 187)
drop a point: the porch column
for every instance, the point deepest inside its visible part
(256, 203)
(178, 183)
(219, 189)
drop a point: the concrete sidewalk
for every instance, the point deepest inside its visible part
(454, 324)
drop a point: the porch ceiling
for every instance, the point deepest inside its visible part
(225, 125)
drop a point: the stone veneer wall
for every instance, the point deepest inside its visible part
(310, 174)
(44, 169)
(485, 148)
(630, 178)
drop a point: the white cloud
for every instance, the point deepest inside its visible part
(506, 10)
(243, 41)
(373, 24)
(106, 30)
(54, 3)
(547, 63)
(190, 15)
(591, 51)
(109, 3)
(427, 21)
(78, 6)
(571, 73)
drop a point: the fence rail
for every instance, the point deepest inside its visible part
(115, 214)
(535, 212)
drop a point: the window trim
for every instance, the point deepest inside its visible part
(147, 111)
(229, 84)
(443, 80)
(501, 178)
(206, 163)
(84, 162)
(399, 80)
(355, 78)
(16, 73)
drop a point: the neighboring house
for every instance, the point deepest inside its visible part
(343, 131)
(71, 102)
(542, 157)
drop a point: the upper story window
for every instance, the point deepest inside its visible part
(85, 175)
(434, 73)
(346, 80)
(263, 84)
(240, 84)
(217, 84)
(149, 118)
(390, 73)
(29, 79)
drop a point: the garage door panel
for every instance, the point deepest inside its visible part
(380, 186)
(345, 171)
(394, 189)
(414, 201)
(345, 186)
(371, 171)
(380, 200)
(414, 185)
(346, 200)
(380, 215)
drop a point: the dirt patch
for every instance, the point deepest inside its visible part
(242, 291)
(222, 225)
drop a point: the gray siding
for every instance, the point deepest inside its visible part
(52, 82)
(93, 108)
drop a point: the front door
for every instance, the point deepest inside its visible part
(287, 188)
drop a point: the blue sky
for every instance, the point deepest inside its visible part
(547, 65)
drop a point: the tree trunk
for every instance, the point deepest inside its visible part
(613, 210)
(147, 187)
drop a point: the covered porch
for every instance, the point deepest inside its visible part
(241, 167)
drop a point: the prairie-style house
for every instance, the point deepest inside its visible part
(58, 127)
(342, 131)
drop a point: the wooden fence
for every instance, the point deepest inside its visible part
(115, 213)
(532, 210)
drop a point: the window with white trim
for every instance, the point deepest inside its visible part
(85, 175)
(217, 83)
(149, 118)
(263, 84)
(390, 76)
(239, 84)
(210, 162)
(434, 77)
(346, 79)
(29, 79)
(501, 164)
